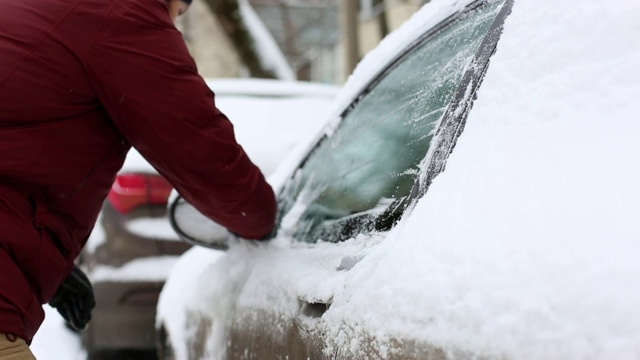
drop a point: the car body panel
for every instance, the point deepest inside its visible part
(291, 323)
(125, 317)
(546, 273)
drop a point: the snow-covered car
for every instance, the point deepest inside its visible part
(524, 247)
(132, 248)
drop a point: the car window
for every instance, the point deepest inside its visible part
(373, 158)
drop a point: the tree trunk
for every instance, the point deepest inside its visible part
(383, 26)
(228, 14)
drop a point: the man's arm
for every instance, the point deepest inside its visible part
(144, 76)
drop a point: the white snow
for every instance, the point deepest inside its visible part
(270, 88)
(155, 268)
(172, 304)
(54, 341)
(530, 245)
(526, 247)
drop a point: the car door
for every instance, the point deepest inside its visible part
(355, 185)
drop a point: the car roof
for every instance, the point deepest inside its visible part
(270, 88)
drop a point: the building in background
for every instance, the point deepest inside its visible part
(312, 34)
(208, 43)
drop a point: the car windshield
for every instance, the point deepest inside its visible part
(374, 157)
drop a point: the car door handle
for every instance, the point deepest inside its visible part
(313, 310)
(310, 313)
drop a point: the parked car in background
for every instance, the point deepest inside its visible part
(133, 247)
(525, 247)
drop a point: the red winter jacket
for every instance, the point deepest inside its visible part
(80, 82)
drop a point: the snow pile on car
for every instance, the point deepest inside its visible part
(526, 247)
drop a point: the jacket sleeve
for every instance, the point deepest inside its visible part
(144, 76)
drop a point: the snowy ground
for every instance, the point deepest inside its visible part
(54, 341)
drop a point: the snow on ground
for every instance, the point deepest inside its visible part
(155, 268)
(54, 341)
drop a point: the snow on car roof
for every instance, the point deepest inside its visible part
(272, 88)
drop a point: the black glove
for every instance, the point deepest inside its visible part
(74, 299)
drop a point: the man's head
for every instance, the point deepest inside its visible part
(177, 7)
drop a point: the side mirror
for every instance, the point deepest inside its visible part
(195, 228)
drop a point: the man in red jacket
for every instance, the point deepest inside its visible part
(80, 82)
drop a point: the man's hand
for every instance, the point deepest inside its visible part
(74, 300)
